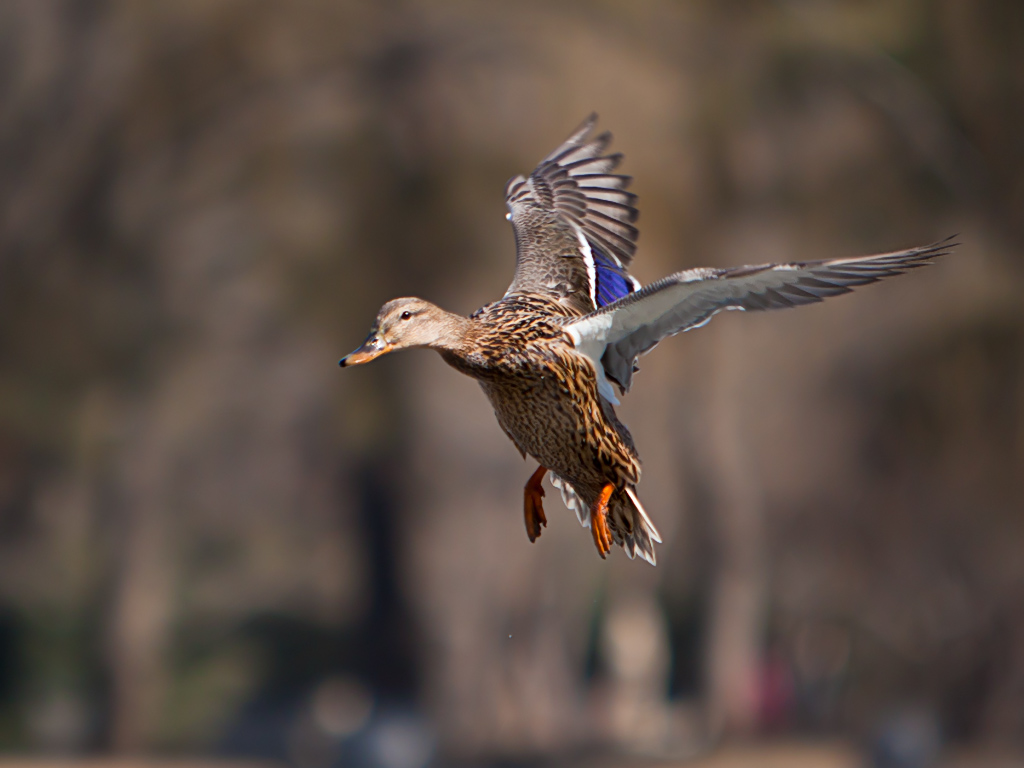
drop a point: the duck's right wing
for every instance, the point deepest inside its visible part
(616, 335)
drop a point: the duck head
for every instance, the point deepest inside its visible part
(401, 324)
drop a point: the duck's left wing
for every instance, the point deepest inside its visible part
(617, 334)
(573, 222)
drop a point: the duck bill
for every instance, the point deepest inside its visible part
(372, 348)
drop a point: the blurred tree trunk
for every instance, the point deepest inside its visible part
(141, 611)
(738, 592)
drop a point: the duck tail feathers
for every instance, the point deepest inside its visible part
(635, 531)
(571, 500)
(631, 527)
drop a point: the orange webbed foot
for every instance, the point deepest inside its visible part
(533, 507)
(599, 522)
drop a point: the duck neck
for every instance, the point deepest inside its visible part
(455, 337)
(456, 343)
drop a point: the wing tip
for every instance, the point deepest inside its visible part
(580, 135)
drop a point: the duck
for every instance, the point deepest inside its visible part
(554, 353)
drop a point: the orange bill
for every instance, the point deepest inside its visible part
(371, 349)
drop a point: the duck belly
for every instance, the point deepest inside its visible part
(558, 418)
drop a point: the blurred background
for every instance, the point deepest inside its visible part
(213, 542)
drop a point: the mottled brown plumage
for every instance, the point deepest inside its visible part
(544, 394)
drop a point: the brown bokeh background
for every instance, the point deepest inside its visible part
(214, 541)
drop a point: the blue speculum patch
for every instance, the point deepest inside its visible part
(612, 283)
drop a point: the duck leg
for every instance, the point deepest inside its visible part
(599, 522)
(533, 507)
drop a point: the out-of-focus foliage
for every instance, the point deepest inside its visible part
(211, 538)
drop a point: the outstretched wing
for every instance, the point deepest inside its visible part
(573, 222)
(616, 335)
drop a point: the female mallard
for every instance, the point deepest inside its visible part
(574, 321)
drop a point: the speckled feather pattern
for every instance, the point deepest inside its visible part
(545, 397)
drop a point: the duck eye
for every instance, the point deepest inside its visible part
(406, 315)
